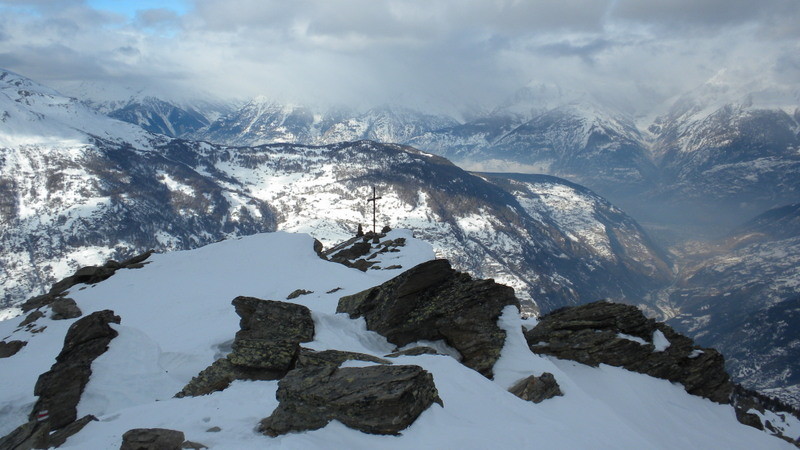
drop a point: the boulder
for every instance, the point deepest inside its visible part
(620, 335)
(60, 388)
(152, 439)
(270, 333)
(379, 399)
(265, 347)
(431, 302)
(11, 348)
(537, 389)
(64, 308)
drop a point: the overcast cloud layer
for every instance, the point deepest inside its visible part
(445, 54)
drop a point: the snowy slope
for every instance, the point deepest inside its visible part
(177, 318)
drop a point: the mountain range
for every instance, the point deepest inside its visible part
(79, 187)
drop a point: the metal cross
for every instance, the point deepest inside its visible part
(374, 207)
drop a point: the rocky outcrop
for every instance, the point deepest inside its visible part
(152, 439)
(620, 335)
(59, 390)
(434, 302)
(378, 399)
(10, 348)
(537, 389)
(360, 251)
(84, 275)
(266, 346)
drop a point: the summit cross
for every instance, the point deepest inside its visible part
(374, 199)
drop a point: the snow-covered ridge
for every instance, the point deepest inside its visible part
(32, 114)
(176, 318)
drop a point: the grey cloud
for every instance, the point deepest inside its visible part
(585, 51)
(128, 51)
(157, 17)
(677, 14)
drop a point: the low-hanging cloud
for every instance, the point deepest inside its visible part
(445, 54)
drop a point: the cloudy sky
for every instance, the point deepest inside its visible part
(437, 53)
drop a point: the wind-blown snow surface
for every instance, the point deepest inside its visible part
(177, 318)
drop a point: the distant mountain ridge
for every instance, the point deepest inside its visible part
(95, 198)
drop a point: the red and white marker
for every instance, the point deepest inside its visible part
(42, 416)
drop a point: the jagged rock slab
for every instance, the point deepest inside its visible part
(60, 388)
(620, 335)
(379, 399)
(434, 302)
(334, 358)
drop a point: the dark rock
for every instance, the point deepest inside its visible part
(29, 435)
(37, 302)
(111, 264)
(334, 290)
(60, 388)
(193, 445)
(385, 229)
(378, 399)
(590, 334)
(59, 437)
(334, 358)
(415, 351)
(273, 320)
(297, 293)
(64, 308)
(60, 286)
(11, 348)
(431, 302)
(270, 333)
(749, 419)
(353, 252)
(214, 430)
(361, 264)
(266, 346)
(152, 439)
(537, 389)
(136, 260)
(276, 355)
(319, 248)
(220, 374)
(32, 317)
(216, 377)
(360, 231)
(393, 266)
(92, 274)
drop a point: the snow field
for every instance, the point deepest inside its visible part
(177, 318)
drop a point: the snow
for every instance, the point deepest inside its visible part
(629, 337)
(660, 341)
(177, 318)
